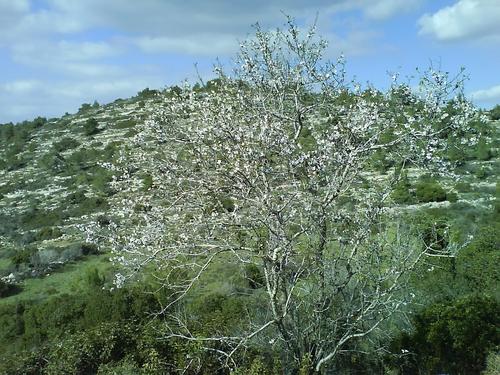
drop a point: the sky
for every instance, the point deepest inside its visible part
(57, 54)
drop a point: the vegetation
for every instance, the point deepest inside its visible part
(61, 310)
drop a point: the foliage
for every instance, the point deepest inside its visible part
(495, 112)
(429, 191)
(55, 323)
(47, 233)
(483, 152)
(263, 168)
(453, 337)
(125, 124)
(478, 263)
(147, 93)
(7, 289)
(90, 127)
(86, 107)
(65, 144)
(492, 363)
(402, 193)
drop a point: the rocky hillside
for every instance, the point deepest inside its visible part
(51, 180)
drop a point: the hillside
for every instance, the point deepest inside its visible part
(52, 182)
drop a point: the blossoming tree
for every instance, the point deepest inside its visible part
(270, 166)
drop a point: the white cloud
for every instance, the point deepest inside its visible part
(20, 87)
(54, 53)
(356, 43)
(9, 7)
(383, 9)
(206, 44)
(488, 96)
(177, 23)
(466, 19)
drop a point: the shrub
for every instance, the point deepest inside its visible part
(147, 93)
(70, 253)
(77, 197)
(7, 289)
(216, 312)
(463, 187)
(482, 173)
(451, 196)
(52, 161)
(495, 112)
(492, 363)
(402, 193)
(90, 127)
(36, 218)
(89, 249)
(453, 337)
(147, 182)
(85, 107)
(38, 122)
(93, 278)
(23, 256)
(48, 233)
(103, 220)
(478, 262)
(65, 144)
(125, 124)
(429, 191)
(483, 152)
(254, 276)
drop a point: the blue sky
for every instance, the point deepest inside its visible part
(57, 54)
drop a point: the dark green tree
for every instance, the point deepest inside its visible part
(91, 126)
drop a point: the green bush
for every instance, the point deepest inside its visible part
(492, 362)
(34, 218)
(23, 256)
(125, 124)
(53, 161)
(495, 112)
(147, 182)
(483, 151)
(402, 193)
(66, 143)
(482, 173)
(90, 127)
(453, 337)
(147, 93)
(478, 263)
(48, 233)
(89, 249)
(216, 312)
(85, 107)
(108, 348)
(429, 191)
(254, 276)
(451, 196)
(7, 290)
(463, 187)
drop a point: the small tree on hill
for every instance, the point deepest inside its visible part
(495, 112)
(264, 170)
(91, 126)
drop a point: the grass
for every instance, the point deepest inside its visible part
(4, 265)
(66, 280)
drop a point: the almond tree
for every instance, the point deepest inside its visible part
(269, 165)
